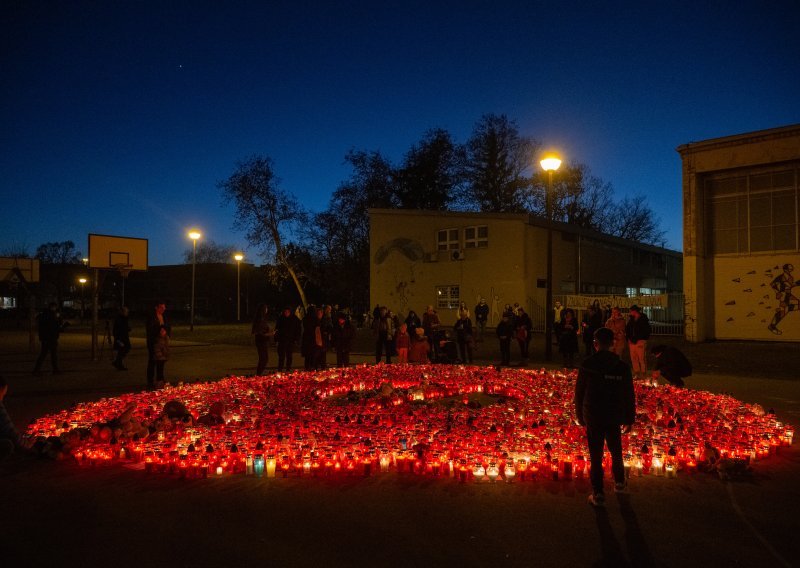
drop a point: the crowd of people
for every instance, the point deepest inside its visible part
(316, 331)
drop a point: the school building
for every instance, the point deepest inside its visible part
(438, 258)
(740, 237)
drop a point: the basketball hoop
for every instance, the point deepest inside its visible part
(123, 269)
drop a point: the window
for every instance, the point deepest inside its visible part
(448, 297)
(752, 213)
(447, 239)
(476, 237)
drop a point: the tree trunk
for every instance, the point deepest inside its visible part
(297, 285)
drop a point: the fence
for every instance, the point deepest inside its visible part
(665, 311)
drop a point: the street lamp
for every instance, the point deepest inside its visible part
(549, 164)
(239, 257)
(82, 282)
(194, 235)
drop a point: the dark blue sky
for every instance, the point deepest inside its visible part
(120, 117)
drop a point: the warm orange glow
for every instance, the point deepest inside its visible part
(194, 235)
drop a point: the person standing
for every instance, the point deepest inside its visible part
(122, 340)
(50, 327)
(558, 317)
(481, 316)
(616, 323)
(342, 336)
(505, 329)
(592, 321)
(156, 321)
(383, 327)
(412, 323)
(161, 352)
(431, 324)
(403, 344)
(313, 347)
(568, 342)
(262, 333)
(605, 404)
(524, 326)
(287, 334)
(637, 332)
(464, 338)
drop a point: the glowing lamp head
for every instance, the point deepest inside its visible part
(239, 257)
(550, 164)
(82, 280)
(194, 235)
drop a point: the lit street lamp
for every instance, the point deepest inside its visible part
(82, 282)
(549, 164)
(194, 235)
(239, 257)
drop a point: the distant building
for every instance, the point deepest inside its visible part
(740, 203)
(420, 258)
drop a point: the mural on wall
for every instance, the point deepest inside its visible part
(409, 248)
(756, 302)
(788, 301)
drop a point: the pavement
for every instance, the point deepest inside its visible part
(55, 513)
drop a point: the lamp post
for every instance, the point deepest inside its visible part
(239, 257)
(194, 235)
(82, 282)
(549, 164)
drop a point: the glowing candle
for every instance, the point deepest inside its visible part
(478, 472)
(219, 470)
(271, 463)
(509, 472)
(258, 465)
(492, 472)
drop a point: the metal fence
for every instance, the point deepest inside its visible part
(666, 317)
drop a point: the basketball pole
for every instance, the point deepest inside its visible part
(95, 293)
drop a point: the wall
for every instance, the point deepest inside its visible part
(745, 301)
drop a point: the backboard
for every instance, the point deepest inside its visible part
(14, 269)
(109, 252)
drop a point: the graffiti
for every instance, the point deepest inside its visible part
(783, 284)
(409, 248)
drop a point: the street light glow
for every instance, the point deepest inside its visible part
(239, 257)
(82, 280)
(550, 164)
(194, 235)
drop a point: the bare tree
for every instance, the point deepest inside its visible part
(579, 198)
(16, 250)
(209, 252)
(633, 219)
(496, 158)
(266, 212)
(62, 252)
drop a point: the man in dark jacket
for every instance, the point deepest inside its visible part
(605, 403)
(50, 327)
(481, 315)
(343, 335)
(287, 334)
(672, 364)
(505, 329)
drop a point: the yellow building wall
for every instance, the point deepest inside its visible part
(496, 273)
(745, 301)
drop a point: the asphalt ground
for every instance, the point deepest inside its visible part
(57, 514)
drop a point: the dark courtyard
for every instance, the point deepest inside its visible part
(60, 513)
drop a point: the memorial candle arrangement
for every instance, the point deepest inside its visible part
(473, 424)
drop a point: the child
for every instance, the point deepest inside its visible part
(162, 354)
(420, 347)
(403, 344)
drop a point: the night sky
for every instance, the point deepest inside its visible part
(121, 117)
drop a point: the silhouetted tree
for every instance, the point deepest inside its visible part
(59, 277)
(496, 158)
(430, 173)
(266, 212)
(579, 198)
(633, 219)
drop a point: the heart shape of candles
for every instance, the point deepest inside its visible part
(426, 420)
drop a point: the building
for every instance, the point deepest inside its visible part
(740, 236)
(420, 258)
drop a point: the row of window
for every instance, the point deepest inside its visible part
(473, 237)
(753, 212)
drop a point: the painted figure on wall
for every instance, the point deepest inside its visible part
(788, 302)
